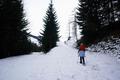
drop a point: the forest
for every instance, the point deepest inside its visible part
(97, 20)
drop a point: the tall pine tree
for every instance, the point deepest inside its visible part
(88, 21)
(97, 18)
(50, 34)
(12, 29)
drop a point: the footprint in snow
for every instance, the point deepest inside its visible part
(95, 67)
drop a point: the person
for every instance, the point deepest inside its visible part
(81, 52)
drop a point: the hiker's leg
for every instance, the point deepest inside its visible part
(83, 60)
(80, 59)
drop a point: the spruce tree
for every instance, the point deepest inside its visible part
(87, 19)
(97, 17)
(50, 34)
(118, 10)
(12, 26)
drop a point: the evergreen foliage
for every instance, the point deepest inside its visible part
(13, 29)
(50, 34)
(88, 20)
(95, 16)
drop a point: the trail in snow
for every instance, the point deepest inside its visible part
(61, 63)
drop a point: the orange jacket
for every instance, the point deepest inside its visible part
(82, 47)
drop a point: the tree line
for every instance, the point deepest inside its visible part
(13, 30)
(97, 19)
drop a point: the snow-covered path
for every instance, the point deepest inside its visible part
(61, 63)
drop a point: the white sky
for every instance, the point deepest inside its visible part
(36, 10)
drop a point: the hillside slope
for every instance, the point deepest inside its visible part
(61, 63)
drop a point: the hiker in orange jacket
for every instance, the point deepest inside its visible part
(81, 52)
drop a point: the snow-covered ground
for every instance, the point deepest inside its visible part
(111, 47)
(61, 63)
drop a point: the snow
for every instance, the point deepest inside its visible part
(71, 42)
(61, 63)
(111, 47)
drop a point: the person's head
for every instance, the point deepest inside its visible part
(81, 43)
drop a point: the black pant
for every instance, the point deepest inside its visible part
(82, 60)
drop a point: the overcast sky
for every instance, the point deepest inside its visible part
(36, 10)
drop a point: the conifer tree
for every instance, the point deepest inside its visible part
(118, 10)
(12, 26)
(87, 17)
(97, 17)
(50, 34)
